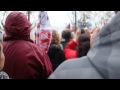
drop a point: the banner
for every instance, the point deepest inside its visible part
(44, 31)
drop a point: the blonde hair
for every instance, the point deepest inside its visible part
(55, 37)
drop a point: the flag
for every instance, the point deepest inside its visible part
(44, 31)
(68, 27)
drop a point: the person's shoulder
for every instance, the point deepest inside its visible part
(32, 44)
(62, 41)
(73, 63)
(61, 46)
(78, 68)
(55, 46)
(33, 47)
(67, 68)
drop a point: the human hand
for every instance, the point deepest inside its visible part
(94, 34)
(87, 32)
(78, 33)
(92, 30)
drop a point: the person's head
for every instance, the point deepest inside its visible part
(17, 26)
(79, 32)
(67, 35)
(55, 37)
(116, 12)
(85, 31)
(83, 45)
(2, 57)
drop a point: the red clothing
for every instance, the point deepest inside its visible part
(70, 51)
(25, 60)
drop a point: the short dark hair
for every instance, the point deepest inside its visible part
(116, 12)
(82, 31)
(67, 35)
(83, 45)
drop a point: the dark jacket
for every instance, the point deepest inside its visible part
(56, 55)
(64, 43)
(101, 62)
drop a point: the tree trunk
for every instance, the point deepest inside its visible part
(28, 15)
(75, 21)
(3, 20)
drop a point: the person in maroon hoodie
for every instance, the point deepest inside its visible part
(24, 59)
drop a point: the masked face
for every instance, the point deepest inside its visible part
(2, 57)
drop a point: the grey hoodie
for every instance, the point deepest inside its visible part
(101, 62)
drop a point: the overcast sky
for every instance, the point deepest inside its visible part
(58, 18)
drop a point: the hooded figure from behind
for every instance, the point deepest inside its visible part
(24, 59)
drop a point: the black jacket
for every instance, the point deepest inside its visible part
(56, 55)
(64, 43)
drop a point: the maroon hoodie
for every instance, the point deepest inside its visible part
(23, 58)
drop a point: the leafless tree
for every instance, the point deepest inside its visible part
(4, 13)
(28, 14)
(99, 17)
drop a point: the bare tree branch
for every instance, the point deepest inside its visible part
(33, 26)
(3, 20)
(28, 13)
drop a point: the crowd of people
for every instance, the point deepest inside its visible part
(91, 54)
